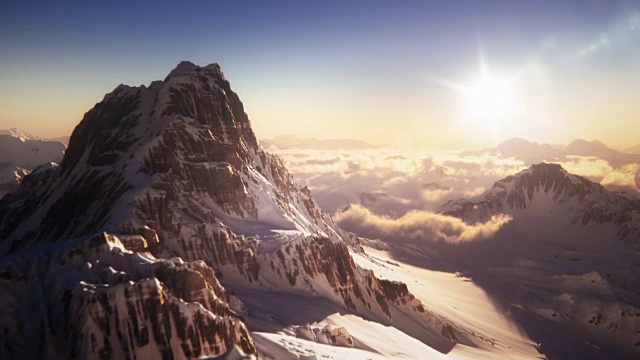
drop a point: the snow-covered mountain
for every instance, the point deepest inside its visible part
(19, 133)
(548, 192)
(567, 261)
(163, 190)
(20, 153)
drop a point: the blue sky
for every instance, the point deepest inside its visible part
(334, 69)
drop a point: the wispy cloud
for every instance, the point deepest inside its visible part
(628, 176)
(618, 34)
(598, 45)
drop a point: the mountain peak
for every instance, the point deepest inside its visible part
(18, 133)
(585, 147)
(548, 168)
(189, 68)
(584, 142)
(549, 177)
(516, 141)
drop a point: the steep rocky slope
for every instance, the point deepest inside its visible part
(176, 169)
(94, 298)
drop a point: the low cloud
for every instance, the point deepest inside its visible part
(417, 226)
(591, 167)
(436, 195)
(627, 176)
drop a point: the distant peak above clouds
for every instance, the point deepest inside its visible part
(532, 152)
(549, 192)
(24, 136)
(20, 153)
(19, 133)
(294, 142)
(589, 148)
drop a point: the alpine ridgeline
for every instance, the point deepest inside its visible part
(112, 254)
(549, 192)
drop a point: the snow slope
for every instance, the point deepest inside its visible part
(566, 264)
(492, 333)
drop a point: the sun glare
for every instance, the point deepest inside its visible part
(490, 98)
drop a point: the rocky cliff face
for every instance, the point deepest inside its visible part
(175, 171)
(582, 201)
(94, 298)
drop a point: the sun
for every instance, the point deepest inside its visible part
(490, 98)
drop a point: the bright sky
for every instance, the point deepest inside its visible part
(417, 74)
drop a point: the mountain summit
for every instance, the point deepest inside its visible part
(162, 190)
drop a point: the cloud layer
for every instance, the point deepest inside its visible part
(393, 182)
(417, 226)
(394, 195)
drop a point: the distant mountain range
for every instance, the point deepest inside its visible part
(21, 134)
(533, 152)
(21, 153)
(285, 142)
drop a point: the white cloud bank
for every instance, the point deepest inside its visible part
(392, 181)
(417, 226)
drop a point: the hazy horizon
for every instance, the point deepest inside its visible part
(401, 75)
